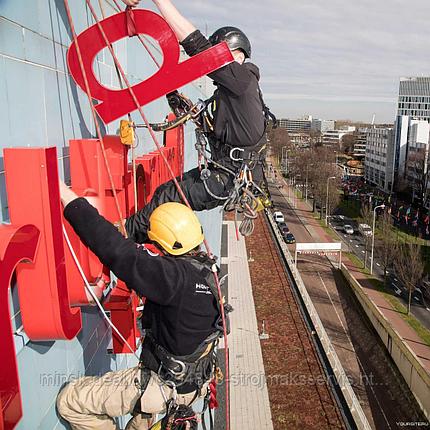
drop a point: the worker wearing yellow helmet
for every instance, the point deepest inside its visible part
(181, 319)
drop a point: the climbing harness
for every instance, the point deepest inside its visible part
(178, 417)
(195, 368)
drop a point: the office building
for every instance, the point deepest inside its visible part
(379, 159)
(417, 162)
(322, 125)
(301, 125)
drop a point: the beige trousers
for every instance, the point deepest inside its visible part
(92, 402)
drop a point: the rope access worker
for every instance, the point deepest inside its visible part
(238, 132)
(181, 319)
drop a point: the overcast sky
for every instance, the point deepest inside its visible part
(333, 59)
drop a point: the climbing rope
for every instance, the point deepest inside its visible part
(94, 114)
(163, 156)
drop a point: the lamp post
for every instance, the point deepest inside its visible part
(326, 201)
(373, 236)
(284, 159)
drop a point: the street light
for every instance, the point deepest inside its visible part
(373, 236)
(284, 159)
(326, 201)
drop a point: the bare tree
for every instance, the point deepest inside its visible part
(348, 142)
(419, 172)
(409, 267)
(386, 243)
(279, 138)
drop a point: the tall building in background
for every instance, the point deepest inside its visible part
(413, 104)
(417, 163)
(378, 163)
(414, 98)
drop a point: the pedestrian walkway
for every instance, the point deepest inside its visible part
(249, 398)
(409, 336)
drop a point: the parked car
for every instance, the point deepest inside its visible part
(283, 227)
(417, 296)
(278, 217)
(348, 229)
(289, 238)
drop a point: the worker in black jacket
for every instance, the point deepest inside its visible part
(181, 317)
(239, 122)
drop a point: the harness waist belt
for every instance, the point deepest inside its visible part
(188, 373)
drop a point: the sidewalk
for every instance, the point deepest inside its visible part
(410, 337)
(249, 398)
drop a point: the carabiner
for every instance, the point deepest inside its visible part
(232, 154)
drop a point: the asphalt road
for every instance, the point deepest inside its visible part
(356, 244)
(384, 396)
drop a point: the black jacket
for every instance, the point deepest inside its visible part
(239, 115)
(180, 310)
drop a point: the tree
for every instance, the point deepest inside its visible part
(418, 167)
(409, 267)
(348, 142)
(386, 243)
(279, 138)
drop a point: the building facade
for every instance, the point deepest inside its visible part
(417, 175)
(414, 97)
(334, 137)
(322, 125)
(302, 125)
(359, 150)
(413, 104)
(40, 106)
(379, 159)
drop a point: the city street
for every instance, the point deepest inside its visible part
(356, 244)
(362, 354)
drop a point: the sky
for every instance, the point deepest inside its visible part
(333, 59)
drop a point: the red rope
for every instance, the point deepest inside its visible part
(139, 36)
(95, 118)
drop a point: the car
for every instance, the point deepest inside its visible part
(278, 217)
(283, 227)
(348, 229)
(365, 229)
(417, 296)
(289, 238)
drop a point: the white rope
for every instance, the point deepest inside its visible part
(93, 294)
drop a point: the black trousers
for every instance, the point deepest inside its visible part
(219, 183)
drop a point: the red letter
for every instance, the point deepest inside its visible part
(172, 74)
(16, 245)
(33, 196)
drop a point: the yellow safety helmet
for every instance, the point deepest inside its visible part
(175, 227)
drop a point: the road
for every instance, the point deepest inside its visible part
(384, 396)
(356, 245)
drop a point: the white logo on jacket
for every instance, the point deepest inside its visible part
(202, 289)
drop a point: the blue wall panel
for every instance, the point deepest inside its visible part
(41, 106)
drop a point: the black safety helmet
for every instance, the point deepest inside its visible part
(234, 37)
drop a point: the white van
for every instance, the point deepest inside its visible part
(365, 229)
(278, 217)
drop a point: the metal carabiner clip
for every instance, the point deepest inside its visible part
(178, 373)
(232, 154)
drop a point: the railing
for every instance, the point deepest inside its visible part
(341, 377)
